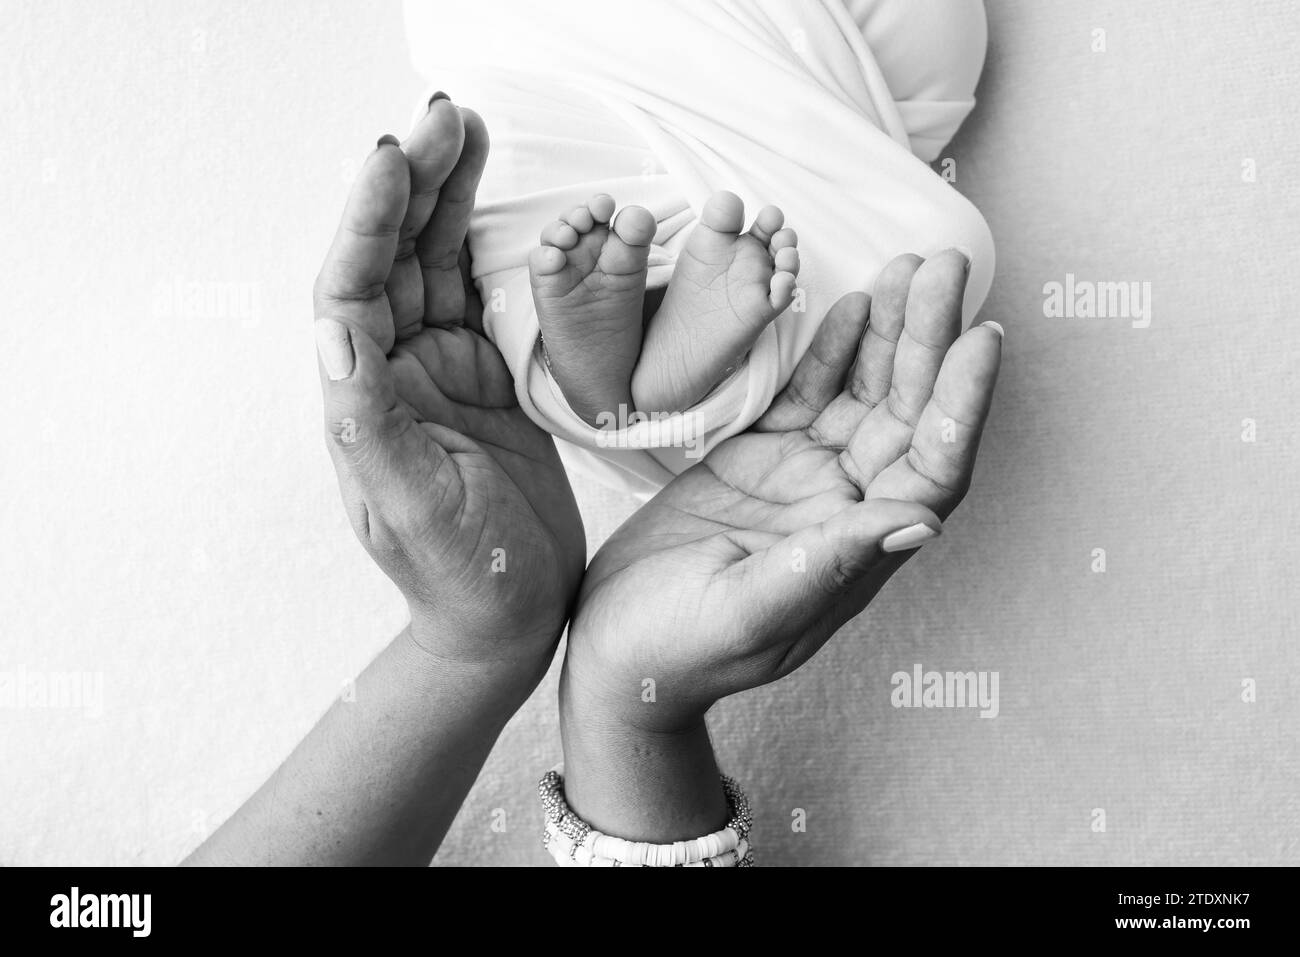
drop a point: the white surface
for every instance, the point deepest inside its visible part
(170, 521)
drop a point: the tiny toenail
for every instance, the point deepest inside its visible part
(388, 139)
(438, 96)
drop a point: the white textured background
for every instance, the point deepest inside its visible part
(170, 517)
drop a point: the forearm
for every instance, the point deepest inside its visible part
(640, 784)
(381, 776)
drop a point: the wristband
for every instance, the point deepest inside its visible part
(575, 843)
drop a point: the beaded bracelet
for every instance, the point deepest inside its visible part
(575, 843)
(569, 854)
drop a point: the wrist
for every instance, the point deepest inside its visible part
(616, 700)
(502, 670)
(638, 777)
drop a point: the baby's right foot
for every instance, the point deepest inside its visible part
(588, 282)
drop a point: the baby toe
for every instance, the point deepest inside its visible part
(766, 223)
(635, 225)
(546, 261)
(580, 218)
(787, 260)
(560, 235)
(724, 212)
(783, 239)
(601, 206)
(781, 290)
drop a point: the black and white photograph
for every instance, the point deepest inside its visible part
(668, 433)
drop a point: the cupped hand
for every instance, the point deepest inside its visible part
(741, 568)
(458, 497)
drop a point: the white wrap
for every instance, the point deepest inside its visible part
(826, 108)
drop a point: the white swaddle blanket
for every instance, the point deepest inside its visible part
(826, 108)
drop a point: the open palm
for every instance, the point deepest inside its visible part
(743, 566)
(459, 497)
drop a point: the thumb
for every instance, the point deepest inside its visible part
(360, 397)
(381, 455)
(802, 579)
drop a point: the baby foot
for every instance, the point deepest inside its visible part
(588, 282)
(727, 286)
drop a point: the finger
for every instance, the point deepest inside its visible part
(797, 584)
(432, 151)
(936, 469)
(931, 323)
(350, 286)
(875, 366)
(439, 246)
(819, 376)
(473, 302)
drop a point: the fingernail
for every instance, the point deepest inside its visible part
(996, 327)
(388, 139)
(334, 346)
(906, 538)
(436, 97)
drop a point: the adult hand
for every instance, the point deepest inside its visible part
(458, 497)
(740, 569)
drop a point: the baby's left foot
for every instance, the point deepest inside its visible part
(726, 288)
